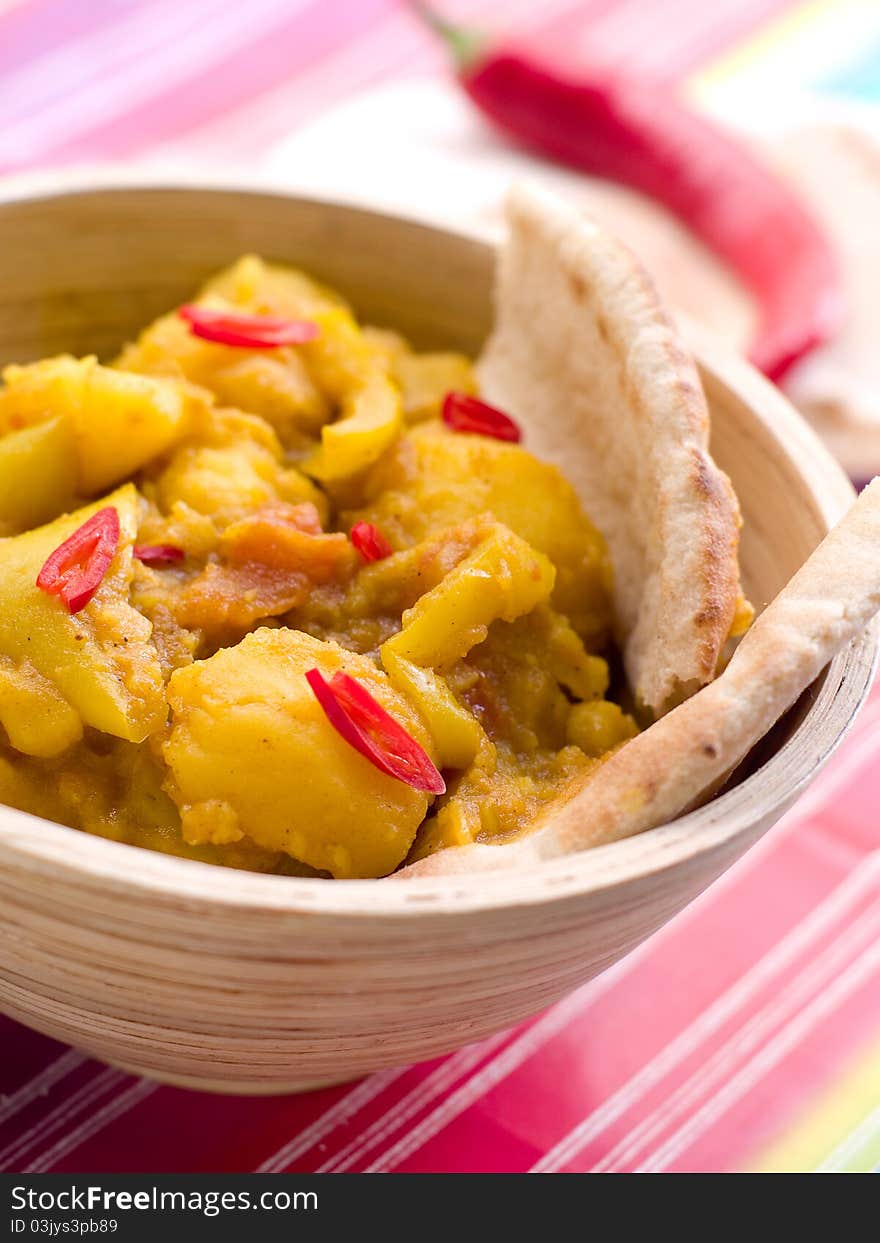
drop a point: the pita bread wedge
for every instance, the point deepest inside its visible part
(587, 359)
(683, 758)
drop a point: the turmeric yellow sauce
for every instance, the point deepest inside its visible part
(172, 709)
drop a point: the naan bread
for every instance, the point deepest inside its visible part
(584, 355)
(683, 758)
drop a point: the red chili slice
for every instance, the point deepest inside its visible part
(373, 732)
(158, 554)
(464, 413)
(76, 569)
(250, 332)
(370, 542)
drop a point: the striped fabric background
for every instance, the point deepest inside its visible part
(745, 1035)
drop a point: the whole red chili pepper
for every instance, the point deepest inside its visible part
(251, 332)
(641, 134)
(373, 732)
(76, 569)
(463, 413)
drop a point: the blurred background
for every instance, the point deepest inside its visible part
(121, 79)
(358, 99)
(746, 1035)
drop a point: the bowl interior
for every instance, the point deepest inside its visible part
(84, 270)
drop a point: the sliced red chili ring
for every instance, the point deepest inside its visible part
(370, 542)
(373, 732)
(464, 413)
(251, 332)
(76, 569)
(159, 554)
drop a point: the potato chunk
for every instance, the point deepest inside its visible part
(249, 739)
(275, 384)
(502, 578)
(119, 421)
(228, 482)
(270, 289)
(37, 720)
(272, 383)
(101, 660)
(599, 725)
(433, 478)
(37, 474)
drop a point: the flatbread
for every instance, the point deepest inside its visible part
(585, 356)
(684, 757)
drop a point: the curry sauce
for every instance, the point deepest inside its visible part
(285, 506)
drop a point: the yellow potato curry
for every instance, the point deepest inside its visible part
(280, 593)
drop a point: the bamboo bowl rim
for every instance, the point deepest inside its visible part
(842, 690)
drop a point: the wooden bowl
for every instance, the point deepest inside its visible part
(238, 982)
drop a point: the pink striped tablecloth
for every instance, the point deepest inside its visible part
(746, 1034)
